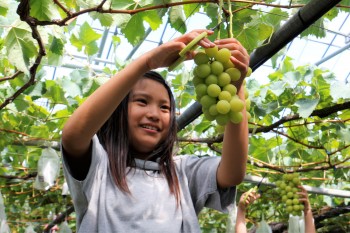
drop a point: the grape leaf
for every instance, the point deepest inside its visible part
(20, 46)
(306, 106)
(86, 39)
(177, 19)
(43, 10)
(340, 90)
(134, 30)
(3, 7)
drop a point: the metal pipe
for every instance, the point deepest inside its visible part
(332, 55)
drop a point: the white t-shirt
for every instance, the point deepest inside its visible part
(101, 207)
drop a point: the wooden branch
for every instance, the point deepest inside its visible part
(59, 219)
(11, 77)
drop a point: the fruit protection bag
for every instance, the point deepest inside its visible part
(4, 228)
(48, 169)
(231, 218)
(29, 228)
(263, 226)
(296, 224)
(232, 215)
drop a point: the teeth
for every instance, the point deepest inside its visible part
(149, 127)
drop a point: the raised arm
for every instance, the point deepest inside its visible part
(94, 112)
(245, 200)
(308, 216)
(232, 167)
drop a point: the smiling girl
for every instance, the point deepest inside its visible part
(118, 151)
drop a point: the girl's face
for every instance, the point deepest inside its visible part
(148, 116)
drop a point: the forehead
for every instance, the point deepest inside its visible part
(146, 86)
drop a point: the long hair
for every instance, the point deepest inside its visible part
(114, 137)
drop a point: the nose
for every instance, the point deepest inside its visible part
(153, 112)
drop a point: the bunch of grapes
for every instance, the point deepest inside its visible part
(288, 188)
(213, 76)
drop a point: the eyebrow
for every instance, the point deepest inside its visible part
(148, 96)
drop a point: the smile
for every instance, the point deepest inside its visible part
(150, 127)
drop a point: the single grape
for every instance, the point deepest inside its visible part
(223, 106)
(237, 104)
(225, 95)
(207, 115)
(228, 64)
(223, 55)
(201, 58)
(211, 52)
(222, 119)
(246, 93)
(224, 79)
(236, 117)
(201, 89)
(203, 70)
(213, 90)
(212, 110)
(249, 72)
(216, 67)
(211, 79)
(247, 104)
(207, 101)
(197, 80)
(230, 88)
(234, 73)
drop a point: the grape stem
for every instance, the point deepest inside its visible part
(189, 47)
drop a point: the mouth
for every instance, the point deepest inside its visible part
(150, 127)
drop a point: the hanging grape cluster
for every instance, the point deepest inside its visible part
(288, 188)
(213, 76)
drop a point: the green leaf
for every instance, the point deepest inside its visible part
(20, 46)
(57, 46)
(177, 19)
(3, 7)
(86, 39)
(122, 4)
(339, 90)
(43, 10)
(106, 20)
(306, 106)
(134, 30)
(152, 18)
(191, 9)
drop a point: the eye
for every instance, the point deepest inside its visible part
(141, 101)
(165, 107)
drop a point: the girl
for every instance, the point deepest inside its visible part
(118, 152)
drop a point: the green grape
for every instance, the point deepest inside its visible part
(228, 64)
(225, 95)
(211, 79)
(211, 52)
(249, 116)
(213, 90)
(246, 93)
(224, 79)
(207, 101)
(203, 70)
(208, 116)
(249, 72)
(216, 67)
(234, 73)
(247, 104)
(201, 89)
(201, 58)
(220, 128)
(237, 104)
(223, 106)
(212, 110)
(223, 55)
(222, 119)
(236, 117)
(197, 80)
(230, 88)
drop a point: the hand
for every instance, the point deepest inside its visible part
(304, 199)
(165, 54)
(239, 55)
(251, 197)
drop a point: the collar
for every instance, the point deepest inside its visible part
(147, 165)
